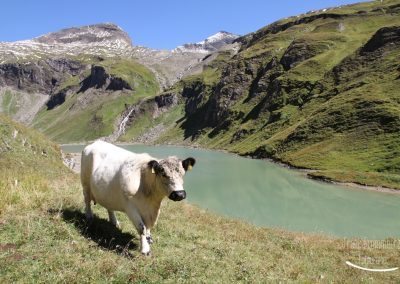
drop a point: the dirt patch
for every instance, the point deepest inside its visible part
(7, 247)
(72, 161)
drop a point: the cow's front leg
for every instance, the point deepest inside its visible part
(148, 236)
(136, 219)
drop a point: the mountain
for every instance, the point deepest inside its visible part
(210, 44)
(100, 33)
(102, 39)
(317, 91)
(109, 40)
(85, 75)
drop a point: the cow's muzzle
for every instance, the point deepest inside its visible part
(177, 195)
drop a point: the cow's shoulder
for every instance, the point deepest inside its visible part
(131, 173)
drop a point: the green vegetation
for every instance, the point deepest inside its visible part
(12, 103)
(93, 114)
(9, 103)
(44, 236)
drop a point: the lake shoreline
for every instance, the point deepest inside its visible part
(75, 166)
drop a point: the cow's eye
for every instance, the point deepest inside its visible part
(166, 180)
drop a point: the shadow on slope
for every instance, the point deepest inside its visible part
(100, 231)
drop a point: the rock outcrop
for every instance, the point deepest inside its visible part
(100, 79)
(42, 76)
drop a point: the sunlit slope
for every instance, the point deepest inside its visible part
(318, 91)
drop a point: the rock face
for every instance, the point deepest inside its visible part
(384, 36)
(42, 76)
(153, 107)
(100, 79)
(300, 50)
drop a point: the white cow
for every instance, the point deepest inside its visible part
(120, 180)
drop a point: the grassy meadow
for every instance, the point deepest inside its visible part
(44, 237)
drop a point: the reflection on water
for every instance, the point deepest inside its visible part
(268, 195)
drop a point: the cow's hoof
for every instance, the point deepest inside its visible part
(149, 240)
(146, 253)
(89, 220)
(89, 217)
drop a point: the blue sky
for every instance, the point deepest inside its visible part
(158, 24)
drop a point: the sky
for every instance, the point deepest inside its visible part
(160, 24)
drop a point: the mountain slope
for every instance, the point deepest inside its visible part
(317, 91)
(92, 107)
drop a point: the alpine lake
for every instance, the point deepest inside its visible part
(266, 194)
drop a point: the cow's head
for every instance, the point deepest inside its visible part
(170, 173)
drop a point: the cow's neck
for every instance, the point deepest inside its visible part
(152, 187)
(153, 194)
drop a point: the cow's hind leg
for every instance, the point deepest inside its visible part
(113, 218)
(88, 209)
(136, 219)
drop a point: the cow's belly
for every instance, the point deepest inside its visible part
(110, 199)
(106, 192)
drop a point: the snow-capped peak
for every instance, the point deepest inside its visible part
(219, 36)
(210, 44)
(100, 39)
(86, 35)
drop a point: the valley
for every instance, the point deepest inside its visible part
(321, 84)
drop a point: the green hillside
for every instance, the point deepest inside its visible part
(44, 237)
(91, 114)
(317, 91)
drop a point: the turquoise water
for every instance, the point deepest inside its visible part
(266, 194)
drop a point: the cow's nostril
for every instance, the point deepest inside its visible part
(177, 195)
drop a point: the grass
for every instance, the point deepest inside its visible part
(9, 103)
(44, 236)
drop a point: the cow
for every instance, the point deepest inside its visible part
(121, 180)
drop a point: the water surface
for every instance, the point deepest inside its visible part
(266, 194)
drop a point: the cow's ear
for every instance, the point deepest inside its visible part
(188, 163)
(155, 167)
